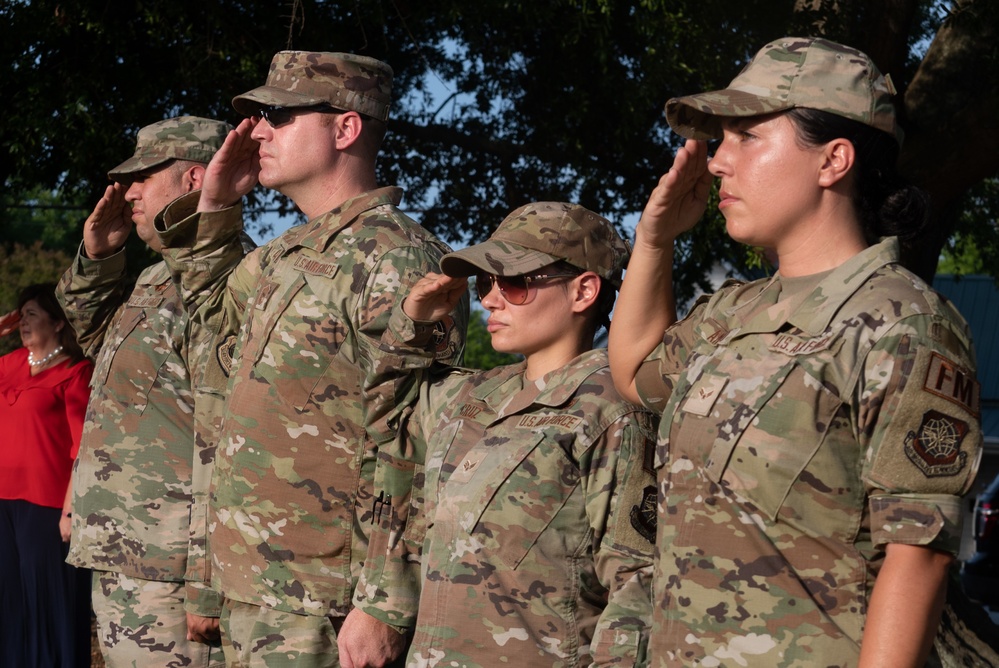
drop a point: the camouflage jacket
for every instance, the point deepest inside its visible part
(133, 480)
(800, 434)
(533, 514)
(292, 323)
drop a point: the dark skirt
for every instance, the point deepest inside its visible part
(44, 602)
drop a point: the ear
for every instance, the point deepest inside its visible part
(348, 128)
(193, 178)
(587, 289)
(838, 158)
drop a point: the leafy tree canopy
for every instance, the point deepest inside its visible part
(498, 102)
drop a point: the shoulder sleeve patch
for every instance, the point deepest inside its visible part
(224, 352)
(643, 515)
(445, 339)
(936, 448)
(931, 436)
(952, 382)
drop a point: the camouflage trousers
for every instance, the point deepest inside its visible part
(257, 637)
(142, 624)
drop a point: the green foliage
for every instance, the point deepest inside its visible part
(21, 266)
(498, 102)
(42, 216)
(479, 353)
(974, 249)
(53, 220)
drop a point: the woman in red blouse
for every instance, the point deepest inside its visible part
(44, 388)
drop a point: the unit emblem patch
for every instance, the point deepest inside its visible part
(936, 449)
(643, 515)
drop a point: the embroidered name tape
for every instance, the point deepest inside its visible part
(315, 267)
(144, 302)
(535, 421)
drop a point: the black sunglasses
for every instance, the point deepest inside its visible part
(515, 289)
(278, 116)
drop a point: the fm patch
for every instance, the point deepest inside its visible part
(445, 339)
(936, 449)
(223, 353)
(953, 383)
(643, 515)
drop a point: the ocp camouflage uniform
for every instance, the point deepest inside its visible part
(801, 434)
(292, 481)
(132, 484)
(138, 439)
(140, 472)
(533, 508)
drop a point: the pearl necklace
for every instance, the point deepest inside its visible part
(48, 358)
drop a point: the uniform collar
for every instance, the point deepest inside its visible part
(818, 310)
(317, 233)
(764, 312)
(509, 392)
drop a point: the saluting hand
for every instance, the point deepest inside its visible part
(681, 196)
(433, 297)
(8, 322)
(233, 170)
(107, 228)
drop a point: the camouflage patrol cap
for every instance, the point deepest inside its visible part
(306, 78)
(180, 138)
(793, 72)
(539, 234)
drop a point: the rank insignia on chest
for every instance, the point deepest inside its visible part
(936, 449)
(263, 295)
(703, 395)
(467, 467)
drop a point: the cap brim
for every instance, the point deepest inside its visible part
(699, 116)
(500, 258)
(136, 164)
(267, 96)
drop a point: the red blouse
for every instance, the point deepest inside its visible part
(41, 419)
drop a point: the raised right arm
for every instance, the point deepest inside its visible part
(92, 289)
(646, 306)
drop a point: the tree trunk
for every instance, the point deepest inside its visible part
(952, 122)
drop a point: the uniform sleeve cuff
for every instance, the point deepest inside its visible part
(932, 521)
(202, 600)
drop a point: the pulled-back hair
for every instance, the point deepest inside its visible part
(604, 304)
(43, 294)
(885, 204)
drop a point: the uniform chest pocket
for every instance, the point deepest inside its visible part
(763, 422)
(296, 334)
(132, 361)
(513, 494)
